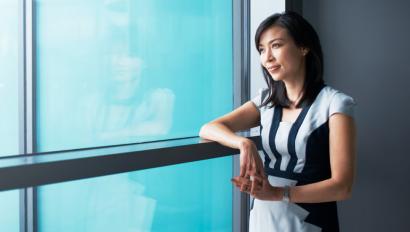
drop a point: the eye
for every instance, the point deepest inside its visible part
(276, 45)
(261, 50)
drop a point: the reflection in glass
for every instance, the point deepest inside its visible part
(9, 211)
(8, 78)
(128, 71)
(186, 197)
(121, 71)
(41, 158)
(9, 201)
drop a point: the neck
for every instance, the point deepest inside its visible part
(294, 89)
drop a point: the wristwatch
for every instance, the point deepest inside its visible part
(286, 194)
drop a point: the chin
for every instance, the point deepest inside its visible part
(277, 77)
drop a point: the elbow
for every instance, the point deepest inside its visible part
(344, 192)
(203, 131)
(211, 130)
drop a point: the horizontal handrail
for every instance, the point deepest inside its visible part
(55, 167)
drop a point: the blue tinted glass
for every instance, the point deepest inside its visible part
(120, 71)
(9, 211)
(9, 201)
(123, 71)
(186, 197)
(8, 78)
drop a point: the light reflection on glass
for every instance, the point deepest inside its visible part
(122, 71)
(9, 200)
(185, 197)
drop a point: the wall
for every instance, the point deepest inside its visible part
(366, 47)
(260, 9)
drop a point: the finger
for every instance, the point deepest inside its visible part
(242, 170)
(245, 185)
(258, 178)
(252, 171)
(237, 185)
(248, 167)
(257, 186)
(248, 189)
(260, 172)
(247, 176)
(253, 187)
(242, 161)
(255, 167)
(237, 181)
(255, 183)
(242, 179)
(259, 167)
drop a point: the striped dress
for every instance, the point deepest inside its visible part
(297, 154)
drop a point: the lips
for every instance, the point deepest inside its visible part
(273, 68)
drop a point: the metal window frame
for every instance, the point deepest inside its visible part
(94, 162)
(241, 59)
(27, 115)
(61, 166)
(27, 102)
(21, 104)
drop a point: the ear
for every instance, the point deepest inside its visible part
(304, 51)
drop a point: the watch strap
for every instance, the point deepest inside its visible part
(286, 194)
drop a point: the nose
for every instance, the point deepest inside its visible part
(268, 56)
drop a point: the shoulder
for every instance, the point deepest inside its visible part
(263, 93)
(260, 97)
(161, 99)
(338, 101)
(161, 95)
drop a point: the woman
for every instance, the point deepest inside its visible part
(307, 132)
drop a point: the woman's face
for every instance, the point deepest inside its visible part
(280, 55)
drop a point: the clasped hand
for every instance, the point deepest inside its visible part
(252, 178)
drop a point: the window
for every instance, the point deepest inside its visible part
(185, 197)
(115, 72)
(134, 71)
(9, 102)
(130, 71)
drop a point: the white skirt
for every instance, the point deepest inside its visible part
(279, 216)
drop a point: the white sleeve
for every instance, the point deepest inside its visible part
(257, 100)
(342, 103)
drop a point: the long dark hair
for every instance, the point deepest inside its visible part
(304, 35)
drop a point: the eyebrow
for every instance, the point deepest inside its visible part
(271, 41)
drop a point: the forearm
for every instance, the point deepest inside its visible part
(323, 191)
(222, 134)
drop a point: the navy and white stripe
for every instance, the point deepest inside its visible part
(298, 153)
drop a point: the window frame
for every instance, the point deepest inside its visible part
(27, 113)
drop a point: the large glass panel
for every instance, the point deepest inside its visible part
(9, 201)
(185, 197)
(121, 71)
(9, 140)
(9, 211)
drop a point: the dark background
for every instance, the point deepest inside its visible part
(366, 44)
